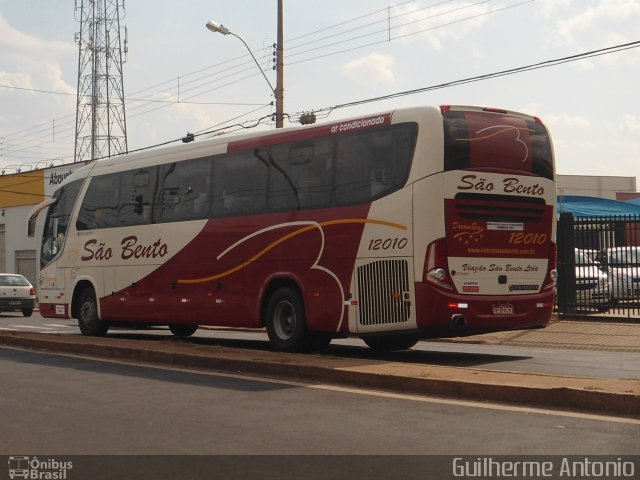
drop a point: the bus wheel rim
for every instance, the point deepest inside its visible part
(284, 320)
(88, 311)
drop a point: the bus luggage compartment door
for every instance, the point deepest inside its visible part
(384, 296)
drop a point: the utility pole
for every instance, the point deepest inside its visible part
(101, 127)
(280, 68)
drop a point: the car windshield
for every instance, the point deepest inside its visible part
(13, 281)
(624, 256)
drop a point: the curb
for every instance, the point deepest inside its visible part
(600, 396)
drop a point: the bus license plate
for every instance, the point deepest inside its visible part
(14, 302)
(502, 308)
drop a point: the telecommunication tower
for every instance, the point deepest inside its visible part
(101, 126)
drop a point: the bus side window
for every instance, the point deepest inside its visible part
(185, 191)
(283, 192)
(311, 167)
(100, 204)
(240, 184)
(355, 179)
(136, 195)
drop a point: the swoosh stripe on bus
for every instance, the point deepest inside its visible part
(283, 239)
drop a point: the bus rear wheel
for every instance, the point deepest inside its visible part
(183, 330)
(27, 312)
(88, 320)
(391, 343)
(285, 321)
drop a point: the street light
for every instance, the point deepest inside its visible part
(278, 91)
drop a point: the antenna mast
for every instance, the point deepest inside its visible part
(101, 126)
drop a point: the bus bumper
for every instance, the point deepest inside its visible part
(54, 310)
(446, 314)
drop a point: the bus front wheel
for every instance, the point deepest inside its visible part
(285, 321)
(88, 320)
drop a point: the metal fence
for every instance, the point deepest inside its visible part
(599, 265)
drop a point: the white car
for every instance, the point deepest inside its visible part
(16, 293)
(592, 283)
(623, 266)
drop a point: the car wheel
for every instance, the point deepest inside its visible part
(88, 320)
(183, 330)
(27, 312)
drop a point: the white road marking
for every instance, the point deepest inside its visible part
(38, 327)
(489, 406)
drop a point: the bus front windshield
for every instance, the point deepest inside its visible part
(57, 221)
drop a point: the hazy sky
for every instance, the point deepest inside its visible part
(335, 52)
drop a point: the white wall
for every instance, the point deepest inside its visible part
(595, 186)
(15, 220)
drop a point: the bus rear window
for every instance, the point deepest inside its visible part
(483, 140)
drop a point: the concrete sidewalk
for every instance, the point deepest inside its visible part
(576, 334)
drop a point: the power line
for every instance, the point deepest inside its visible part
(386, 20)
(354, 20)
(147, 100)
(545, 64)
(478, 78)
(293, 47)
(535, 66)
(218, 75)
(377, 32)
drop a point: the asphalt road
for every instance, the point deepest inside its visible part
(552, 361)
(65, 405)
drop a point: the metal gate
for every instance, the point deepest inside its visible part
(599, 265)
(26, 265)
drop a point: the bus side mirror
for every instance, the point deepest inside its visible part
(31, 227)
(33, 215)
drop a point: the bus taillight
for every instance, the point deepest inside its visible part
(435, 265)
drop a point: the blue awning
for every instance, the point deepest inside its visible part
(581, 206)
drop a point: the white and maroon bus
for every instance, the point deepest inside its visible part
(415, 223)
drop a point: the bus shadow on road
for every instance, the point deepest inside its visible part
(417, 356)
(143, 372)
(426, 357)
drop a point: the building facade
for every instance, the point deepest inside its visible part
(596, 186)
(19, 193)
